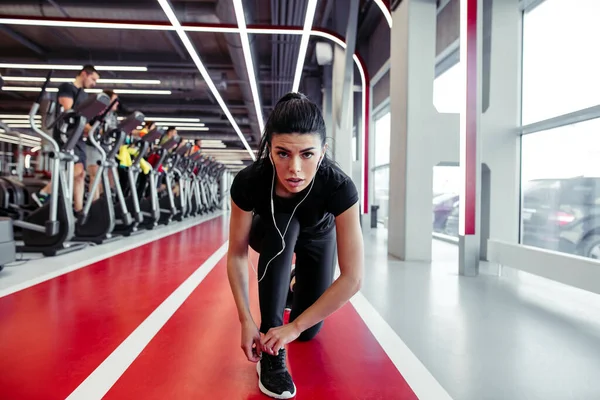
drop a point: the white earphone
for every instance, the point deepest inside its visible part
(293, 212)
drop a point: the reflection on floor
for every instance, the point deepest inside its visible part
(509, 336)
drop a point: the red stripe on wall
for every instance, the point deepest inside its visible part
(471, 120)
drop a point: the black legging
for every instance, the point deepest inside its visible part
(315, 263)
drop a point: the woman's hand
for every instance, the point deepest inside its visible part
(277, 338)
(251, 341)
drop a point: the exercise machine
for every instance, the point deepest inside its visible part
(50, 228)
(97, 221)
(130, 188)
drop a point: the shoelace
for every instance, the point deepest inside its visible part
(275, 364)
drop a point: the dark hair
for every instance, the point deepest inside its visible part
(88, 69)
(109, 93)
(293, 113)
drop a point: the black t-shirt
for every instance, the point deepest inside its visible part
(333, 193)
(69, 90)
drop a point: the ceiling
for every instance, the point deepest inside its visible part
(167, 60)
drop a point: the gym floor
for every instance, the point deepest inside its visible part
(152, 317)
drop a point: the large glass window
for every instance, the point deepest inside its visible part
(560, 58)
(382, 139)
(381, 164)
(446, 187)
(561, 189)
(449, 91)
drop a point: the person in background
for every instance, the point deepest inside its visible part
(71, 94)
(93, 155)
(171, 133)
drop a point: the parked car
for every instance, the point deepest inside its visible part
(442, 207)
(563, 215)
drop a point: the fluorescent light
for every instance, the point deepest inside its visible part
(241, 21)
(21, 125)
(187, 128)
(156, 119)
(54, 90)
(18, 116)
(73, 67)
(194, 55)
(84, 24)
(16, 140)
(100, 81)
(141, 91)
(385, 11)
(131, 81)
(190, 124)
(15, 121)
(26, 89)
(29, 137)
(308, 21)
(230, 162)
(169, 121)
(229, 151)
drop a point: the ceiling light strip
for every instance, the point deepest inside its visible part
(241, 20)
(85, 24)
(194, 55)
(100, 81)
(189, 124)
(187, 128)
(308, 22)
(18, 116)
(71, 67)
(54, 90)
(386, 12)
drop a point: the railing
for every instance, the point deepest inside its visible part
(576, 271)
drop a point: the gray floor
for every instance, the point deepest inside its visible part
(510, 336)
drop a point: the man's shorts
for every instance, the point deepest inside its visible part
(93, 155)
(79, 151)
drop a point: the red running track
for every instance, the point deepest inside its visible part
(54, 334)
(197, 355)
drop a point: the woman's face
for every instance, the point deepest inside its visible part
(296, 157)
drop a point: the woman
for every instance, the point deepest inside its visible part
(314, 204)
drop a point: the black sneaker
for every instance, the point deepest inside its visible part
(40, 198)
(274, 380)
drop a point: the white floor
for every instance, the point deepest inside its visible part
(509, 336)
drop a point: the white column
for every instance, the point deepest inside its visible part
(420, 137)
(499, 122)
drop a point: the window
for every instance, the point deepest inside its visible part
(560, 58)
(382, 139)
(381, 164)
(381, 177)
(354, 145)
(561, 189)
(449, 91)
(446, 188)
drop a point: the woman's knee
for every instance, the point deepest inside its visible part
(310, 333)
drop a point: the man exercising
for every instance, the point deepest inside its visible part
(71, 94)
(92, 154)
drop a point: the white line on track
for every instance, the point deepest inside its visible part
(106, 375)
(425, 386)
